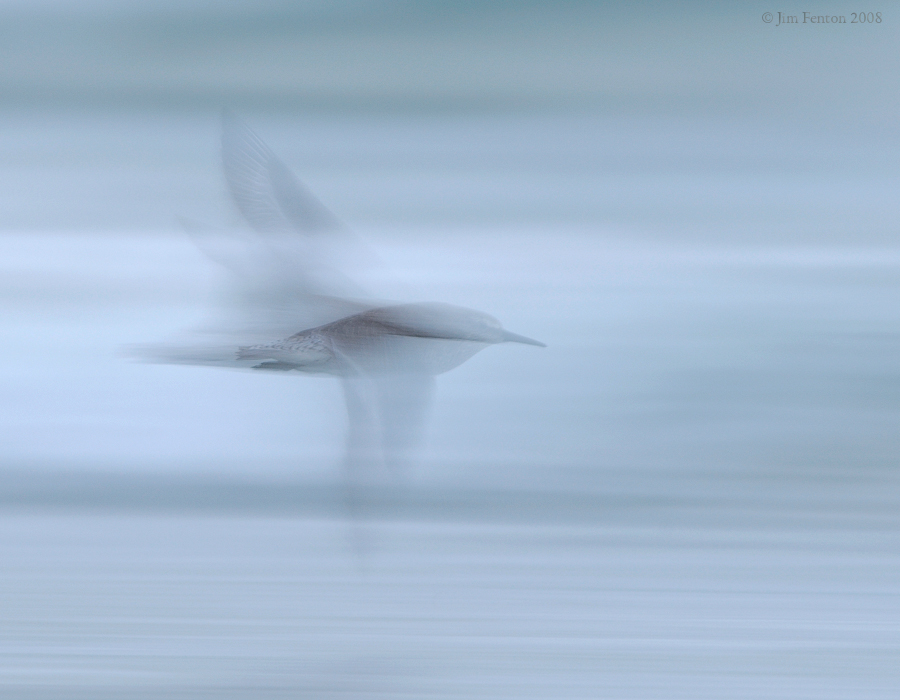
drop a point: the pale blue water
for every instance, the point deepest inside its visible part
(691, 492)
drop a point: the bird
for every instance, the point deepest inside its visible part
(296, 310)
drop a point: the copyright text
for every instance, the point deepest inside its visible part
(780, 18)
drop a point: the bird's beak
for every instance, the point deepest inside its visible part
(514, 338)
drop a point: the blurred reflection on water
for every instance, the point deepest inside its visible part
(691, 493)
(646, 604)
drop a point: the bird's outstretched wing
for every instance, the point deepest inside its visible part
(386, 416)
(302, 240)
(268, 195)
(288, 272)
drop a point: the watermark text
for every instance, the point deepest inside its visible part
(778, 18)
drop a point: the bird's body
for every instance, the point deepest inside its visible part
(297, 311)
(425, 338)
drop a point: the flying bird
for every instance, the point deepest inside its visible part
(295, 309)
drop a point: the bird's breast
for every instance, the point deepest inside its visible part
(395, 354)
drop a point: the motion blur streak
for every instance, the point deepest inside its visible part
(692, 492)
(295, 313)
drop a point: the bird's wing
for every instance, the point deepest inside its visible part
(299, 248)
(288, 274)
(251, 317)
(266, 192)
(386, 416)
